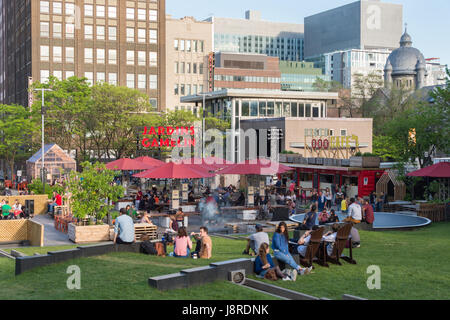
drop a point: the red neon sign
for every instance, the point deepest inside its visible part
(168, 137)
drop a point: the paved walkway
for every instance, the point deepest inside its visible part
(52, 237)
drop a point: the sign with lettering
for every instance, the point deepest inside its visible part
(321, 144)
(155, 137)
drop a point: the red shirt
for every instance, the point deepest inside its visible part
(368, 211)
(58, 200)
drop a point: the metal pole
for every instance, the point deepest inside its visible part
(203, 126)
(43, 143)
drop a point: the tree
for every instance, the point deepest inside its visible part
(326, 86)
(93, 190)
(17, 127)
(386, 148)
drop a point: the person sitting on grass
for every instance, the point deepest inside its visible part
(203, 249)
(124, 229)
(256, 240)
(182, 245)
(264, 266)
(280, 249)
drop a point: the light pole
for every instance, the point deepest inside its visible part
(204, 95)
(43, 142)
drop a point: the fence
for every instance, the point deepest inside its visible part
(21, 230)
(40, 202)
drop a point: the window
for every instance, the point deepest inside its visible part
(70, 54)
(112, 33)
(88, 32)
(101, 56)
(201, 45)
(175, 90)
(253, 108)
(301, 110)
(45, 74)
(194, 89)
(200, 88)
(245, 108)
(90, 77)
(45, 7)
(57, 8)
(70, 9)
(112, 12)
(181, 45)
(308, 110)
(45, 53)
(270, 109)
(100, 77)
(112, 56)
(194, 68)
(88, 55)
(153, 36)
(130, 13)
(112, 79)
(101, 11)
(70, 30)
(142, 15)
(153, 15)
(130, 58)
(315, 111)
(200, 68)
(100, 33)
(194, 46)
(142, 58)
(130, 34)
(262, 108)
(70, 74)
(182, 89)
(153, 62)
(57, 54)
(294, 109)
(188, 68)
(57, 30)
(343, 132)
(130, 80)
(45, 29)
(88, 10)
(188, 89)
(188, 45)
(142, 81)
(142, 37)
(181, 67)
(175, 44)
(153, 82)
(176, 67)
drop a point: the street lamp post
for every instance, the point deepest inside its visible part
(43, 141)
(204, 95)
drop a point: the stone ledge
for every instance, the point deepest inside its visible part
(169, 281)
(275, 290)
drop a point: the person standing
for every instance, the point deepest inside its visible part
(139, 196)
(329, 198)
(344, 205)
(124, 229)
(368, 215)
(321, 201)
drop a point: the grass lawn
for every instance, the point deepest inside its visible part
(414, 265)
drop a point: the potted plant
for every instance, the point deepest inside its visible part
(366, 160)
(92, 192)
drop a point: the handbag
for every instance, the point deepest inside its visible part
(271, 275)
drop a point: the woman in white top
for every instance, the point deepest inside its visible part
(17, 208)
(146, 219)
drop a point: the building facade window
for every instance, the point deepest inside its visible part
(112, 78)
(130, 14)
(112, 33)
(70, 74)
(88, 32)
(57, 30)
(88, 10)
(45, 74)
(130, 80)
(100, 77)
(142, 36)
(153, 15)
(112, 12)
(45, 53)
(100, 11)
(142, 58)
(142, 14)
(70, 9)
(45, 7)
(112, 56)
(100, 32)
(142, 81)
(57, 54)
(45, 29)
(57, 7)
(153, 62)
(70, 54)
(88, 55)
(130, 58)
(70, 30)
(130, 34)
(153, 36)
(90, 77)
(153, 82)
(101, 56)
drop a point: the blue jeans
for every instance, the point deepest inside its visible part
(51, 207)
(286, 258)
(188, 255)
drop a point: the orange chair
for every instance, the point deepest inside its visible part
(8, 184)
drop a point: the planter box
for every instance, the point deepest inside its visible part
(365, 162)
(283, 158)
(311, 160)
(87, 234)
(345, 162)
(320, 161)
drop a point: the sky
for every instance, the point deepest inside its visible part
(428, 20)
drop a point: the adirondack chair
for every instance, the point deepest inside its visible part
(339, 245)
(313, 247)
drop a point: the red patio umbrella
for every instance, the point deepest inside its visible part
(127, 164)
(218, 162)
(150, 161)
(174, 170)
(206, 163)
(438, 170)
(259, 167)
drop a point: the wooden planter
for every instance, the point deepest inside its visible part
(88, 234)
(365, 162)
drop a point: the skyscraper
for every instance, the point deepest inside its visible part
(120, 42)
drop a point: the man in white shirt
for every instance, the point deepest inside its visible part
(354, 212)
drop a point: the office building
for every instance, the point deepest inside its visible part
(120, 42)
(188, 44)
(245, 71)
(300, 75)
(364, 24)
(254, 35)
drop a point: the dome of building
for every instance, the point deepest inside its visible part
(405, 59)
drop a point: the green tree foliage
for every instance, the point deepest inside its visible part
(326, 86)
(17, 128)
(93, 190)
(386, 148)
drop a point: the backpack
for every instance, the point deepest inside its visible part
(160, 249)
(148, 247)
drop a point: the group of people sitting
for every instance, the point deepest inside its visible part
(124, 234)
(8, 212)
